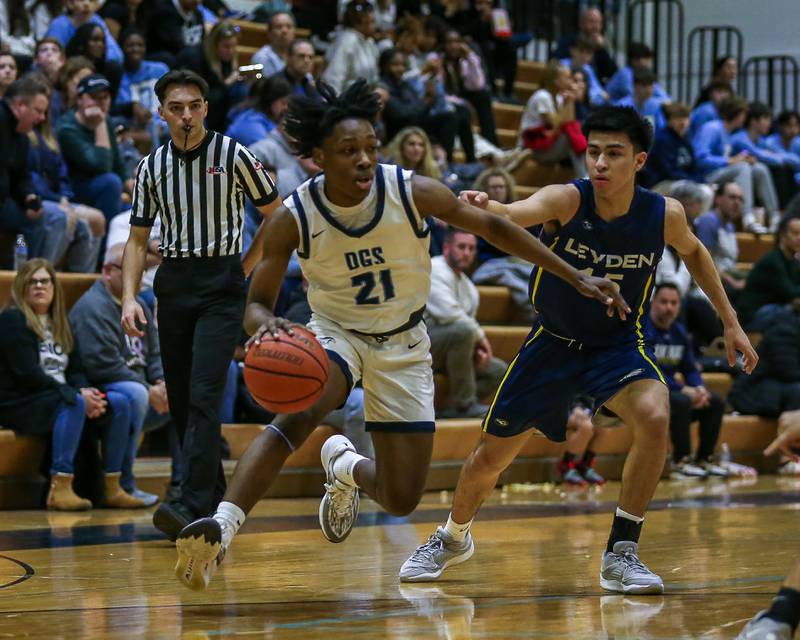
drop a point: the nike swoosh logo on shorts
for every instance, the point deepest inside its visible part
(411, 346)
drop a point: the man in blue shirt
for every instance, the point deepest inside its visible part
(621, 83)
(688, 400)
(718, 91)
(753, 140)
(580, 57)
(713, 149)
(787, 139)
(643, 99)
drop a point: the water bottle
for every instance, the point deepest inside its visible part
(20, 252)
(724, 454)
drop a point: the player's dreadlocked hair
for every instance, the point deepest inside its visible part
(309, 121)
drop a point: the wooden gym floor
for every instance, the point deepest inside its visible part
(721, 547)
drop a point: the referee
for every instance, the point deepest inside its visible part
(196, 184)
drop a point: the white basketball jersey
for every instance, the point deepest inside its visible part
(368, 267)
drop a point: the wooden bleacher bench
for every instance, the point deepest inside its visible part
(752, 247)
(530, 173)
(531, 71)
(73, 284)
(507, 138)
(507, 116)
(251, 34)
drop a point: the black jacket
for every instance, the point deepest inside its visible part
(774, 386)
(168, 32)
(29, 397)
(14, 180)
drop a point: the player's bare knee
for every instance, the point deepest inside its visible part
(401, 502)
(486, 460)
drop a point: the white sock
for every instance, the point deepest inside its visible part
(230, 518)
(457, 531)
(629, 516)
(343, 467)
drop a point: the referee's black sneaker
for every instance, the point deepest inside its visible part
(170, 518)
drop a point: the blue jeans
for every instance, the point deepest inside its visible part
(138, 410)
(79, 249)
(14, 220)
(766, 316)
(115, 439)
(103, 192)
(67, 431)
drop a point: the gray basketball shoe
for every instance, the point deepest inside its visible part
(622, 571)
(762, 628)
(339, 507)
(430, 559)
(200, 552)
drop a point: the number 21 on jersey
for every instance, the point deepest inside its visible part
(367, 282)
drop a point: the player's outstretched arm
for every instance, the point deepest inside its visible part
(553, 203)
(433, 198)
(678, 235)
(281, 239)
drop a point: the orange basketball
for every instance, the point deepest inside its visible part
(286, 374)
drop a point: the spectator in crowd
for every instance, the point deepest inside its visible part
(297, 72)
(497, 51)
(274, 56)
(716, 229)
(621, 84)
(216, 60)
(8, 72)
(173, 27)
(464, 78)
(90, 148)
(65, 95)
(590, 28)
(80, 12)
(353, 53)
(411, 149)
(713, 146)
(774, 281)
(15, 28)
(130, 367)
(118, 232)
(89, 41)
(406, 39)
(290, 170)
(697, 312)
(786, 139)
(43, 387)
(23, 107)
(688, 400)
(406, 107)
(580, 55)
(726, 70)
(752, 139)
(575, 467)
(459, 346)
(495, 266)
(548, 126)
(642, 98)
(48, 59)
(73, 232)
(120, 15)
(136, 99)
(580, 87)
(773, 390)
(708, 110)
(671, 157)
(269, 104)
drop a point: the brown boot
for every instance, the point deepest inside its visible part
(61, 496)
(117, 497)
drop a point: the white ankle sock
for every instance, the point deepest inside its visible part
(457, 531)
(230, 518)
(343, 467)
(629, 516)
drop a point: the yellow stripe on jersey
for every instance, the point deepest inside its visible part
(502, 382)
(640, 333)
(539, 276)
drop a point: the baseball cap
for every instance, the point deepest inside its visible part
(94, 83)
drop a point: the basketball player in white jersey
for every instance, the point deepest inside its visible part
(359, 230)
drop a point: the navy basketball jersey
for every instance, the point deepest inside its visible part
(625, 250)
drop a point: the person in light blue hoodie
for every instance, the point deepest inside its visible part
(707, 111)
(80, 12)
(269, 102)
(716, 162)
(136, 99)
(621, 83)
(581, 55)
(786, 139)
(752, 139)
(643, 98)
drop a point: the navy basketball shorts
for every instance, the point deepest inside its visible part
(542, 382)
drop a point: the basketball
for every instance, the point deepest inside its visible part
(286, 374)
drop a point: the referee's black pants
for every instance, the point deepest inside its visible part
(200, 310)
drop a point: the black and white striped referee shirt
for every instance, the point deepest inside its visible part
(200, 197)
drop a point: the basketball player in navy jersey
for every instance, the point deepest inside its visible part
(360, 234)
(603, 226)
